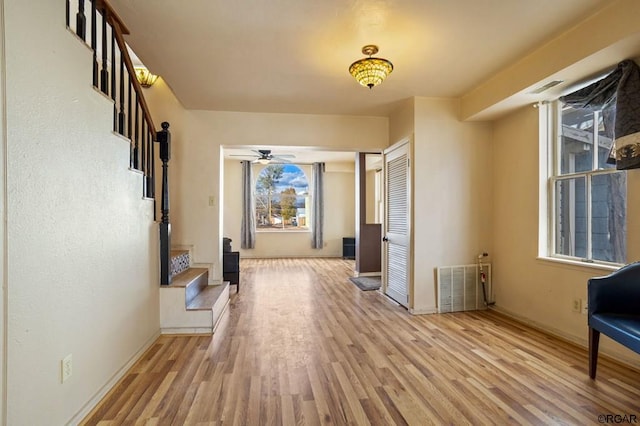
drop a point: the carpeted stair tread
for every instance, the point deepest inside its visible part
(207, 297)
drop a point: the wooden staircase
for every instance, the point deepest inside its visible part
(190, 305)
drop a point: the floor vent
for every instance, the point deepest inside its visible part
(460, 288)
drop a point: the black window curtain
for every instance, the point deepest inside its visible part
(618, 95)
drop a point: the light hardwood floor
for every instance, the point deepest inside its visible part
(301, 345)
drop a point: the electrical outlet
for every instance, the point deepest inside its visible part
(67, 367)
(585, 307)
(575, 307)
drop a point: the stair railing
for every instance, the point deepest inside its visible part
(114, 75)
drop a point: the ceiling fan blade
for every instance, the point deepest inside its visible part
(281, 160)
(242, 155)
(284, 155)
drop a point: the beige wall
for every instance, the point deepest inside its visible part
(591, 47)
(538, 291)
(199, 172)
(402, 121)
(3, 231)
(452, 193)
(81, 244)
(339, 215)
(165, 107)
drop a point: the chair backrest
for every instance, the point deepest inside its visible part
(617, 292)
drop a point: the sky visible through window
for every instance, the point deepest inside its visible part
(282, 193)
(292, 177)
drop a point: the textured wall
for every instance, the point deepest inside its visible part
(199, 169)
(452, 193)
(3, 230)
(339, 216)
(535, 290)
(82, 268)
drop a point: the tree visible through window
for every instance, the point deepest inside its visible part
(282, 198)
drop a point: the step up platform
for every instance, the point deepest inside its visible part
(189, 305)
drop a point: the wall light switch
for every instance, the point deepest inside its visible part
(212, 201)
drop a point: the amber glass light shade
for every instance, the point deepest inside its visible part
(370, 71)
(145, 78)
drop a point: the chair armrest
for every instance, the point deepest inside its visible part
(618, 292)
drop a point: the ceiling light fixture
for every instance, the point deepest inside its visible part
(263, 160)
(145, 78)
(370, 71)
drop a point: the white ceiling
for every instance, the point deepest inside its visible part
(301, 155)
(293, 55)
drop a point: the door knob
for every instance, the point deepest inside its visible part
(385, 239)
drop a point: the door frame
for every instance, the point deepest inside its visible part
(408, 142)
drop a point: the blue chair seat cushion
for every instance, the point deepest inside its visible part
(625, 329)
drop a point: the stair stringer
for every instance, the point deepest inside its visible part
(174, 317)
(192, 304)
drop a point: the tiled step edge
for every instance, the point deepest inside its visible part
(179, 261)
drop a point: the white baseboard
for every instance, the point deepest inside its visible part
(245, 255)
(540, 327)
(106, 388)
(186, 330)
(582, 342)
(367, 274)
(423, 311)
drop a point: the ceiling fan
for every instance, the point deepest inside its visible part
(264, 156)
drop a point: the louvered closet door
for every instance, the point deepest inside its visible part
(397, 223)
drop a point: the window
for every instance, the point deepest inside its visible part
(282, 198)
(588, 195)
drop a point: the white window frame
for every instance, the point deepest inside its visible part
(550, 168)
(307, 227)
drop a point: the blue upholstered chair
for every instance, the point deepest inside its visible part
(614, 310)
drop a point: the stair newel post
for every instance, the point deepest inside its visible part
(164, 139)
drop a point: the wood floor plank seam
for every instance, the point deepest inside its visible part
(301, 345)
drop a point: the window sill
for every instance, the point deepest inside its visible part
(283, 231)
(579, 265)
